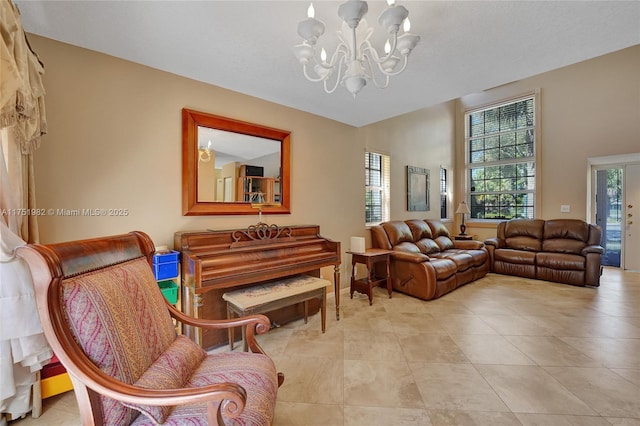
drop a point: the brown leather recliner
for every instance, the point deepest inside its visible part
(560, 250)
(426, 262)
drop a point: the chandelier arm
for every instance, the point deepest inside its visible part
(374, 53)
(373, 74)
(338, 76)
(330, 91)
(332, 62)
(393, 73)
(309, 77)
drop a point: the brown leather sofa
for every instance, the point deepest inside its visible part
(426, 263)
(560, 250)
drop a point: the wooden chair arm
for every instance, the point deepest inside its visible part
(226, 399)
(259, 324)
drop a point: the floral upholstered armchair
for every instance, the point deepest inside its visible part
(109, 324)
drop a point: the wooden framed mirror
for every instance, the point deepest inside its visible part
(233, 167)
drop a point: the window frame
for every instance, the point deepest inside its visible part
(444, 193)
(535, 158)
(383, 188)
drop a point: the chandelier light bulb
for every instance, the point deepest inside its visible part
(205, 154)
(310, 29)
(356, 61)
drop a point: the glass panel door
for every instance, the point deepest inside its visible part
(609, 213)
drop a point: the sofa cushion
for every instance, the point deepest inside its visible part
(420, 229)
(398, 232)
(566, 228)
(444, 268)
(170, 371)
(524, 243)
(407, 246)
(440, 234)
(524, 234)
(561, 261)
(444, 242)
(561, 275)
(428, 246)
(520, 257)
(463, 261)
(565, 236)
(516, 269)
(561, 245)
(479, 256)
(438, 228)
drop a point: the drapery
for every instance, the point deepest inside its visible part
(23, 349)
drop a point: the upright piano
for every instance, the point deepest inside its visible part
(217, 261)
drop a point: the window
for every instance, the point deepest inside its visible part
(376, 169)
(501, 167)
(443, 193)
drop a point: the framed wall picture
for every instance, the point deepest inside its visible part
(417, 189)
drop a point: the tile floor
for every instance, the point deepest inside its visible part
(500, 351)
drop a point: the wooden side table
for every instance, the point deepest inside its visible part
(465, 237)
(369, 258)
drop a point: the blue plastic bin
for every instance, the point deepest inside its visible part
(165, 265)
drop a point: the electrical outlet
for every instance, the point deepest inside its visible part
(565, 208)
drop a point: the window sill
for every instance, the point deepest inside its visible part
(486, 223)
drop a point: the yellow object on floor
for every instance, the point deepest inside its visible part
(55, 385)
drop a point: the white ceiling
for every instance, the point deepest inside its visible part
(246, 46)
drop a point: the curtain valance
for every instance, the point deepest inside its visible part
(21, 87)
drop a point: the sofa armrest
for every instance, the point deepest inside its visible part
(409, 257)
(495, 242)
(468, 244)
(592, 249)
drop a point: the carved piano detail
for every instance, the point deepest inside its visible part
(215, 262)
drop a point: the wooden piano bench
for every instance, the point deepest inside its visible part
(274, 295)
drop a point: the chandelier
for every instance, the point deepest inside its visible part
(355, 60)
(205, 153)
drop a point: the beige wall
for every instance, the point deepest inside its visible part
(588, 110)
(115, 129)
(114, 141)
(423, 139)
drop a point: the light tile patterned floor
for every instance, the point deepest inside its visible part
(500, 351)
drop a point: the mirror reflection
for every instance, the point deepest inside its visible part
(234, 167)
